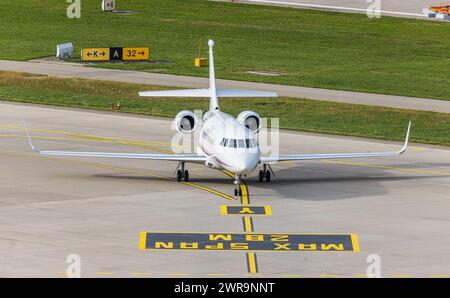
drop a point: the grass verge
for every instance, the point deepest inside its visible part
(295, 114)
(312, 48)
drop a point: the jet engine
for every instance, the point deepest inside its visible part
(186, 121)
(251, 120)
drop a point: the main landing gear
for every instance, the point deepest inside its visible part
(182, 174)
(264, 173)
(237, 183)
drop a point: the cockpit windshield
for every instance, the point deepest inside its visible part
(239, 143)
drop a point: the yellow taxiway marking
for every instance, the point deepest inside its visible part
(243, 187)
(355, 242)
(216, 274)
(329, 275)
(8, 126)
(144, 147)
(143, 240)
(387, 167)
(121, 141)
(439, 275)
(61, 273)
(253, 274)
(247, 210)
(209, 190)
(125, 169)
(55, 138)
(291, 275)
(102, 138)
(228, 173)
(360, 275)
(417, 149)
(402, 275)
(104, 273)
(245, 200)
(248, 224)
(178, 274)
(141, 273)
(252, 263)
(91, 140)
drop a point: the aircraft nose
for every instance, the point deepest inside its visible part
(245, 163)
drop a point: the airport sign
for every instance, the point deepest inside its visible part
(136, 54)
(95, 54)
(115, 54)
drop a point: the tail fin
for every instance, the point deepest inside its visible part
(213, 93)
(214, 101)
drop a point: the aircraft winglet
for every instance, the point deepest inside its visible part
(29, 138)
(405, 145)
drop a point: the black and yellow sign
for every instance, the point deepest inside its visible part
(95, 54)
(115, 54)
(135, 54)
(245, 210)
(249, 241)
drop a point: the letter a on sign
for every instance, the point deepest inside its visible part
(115, 54)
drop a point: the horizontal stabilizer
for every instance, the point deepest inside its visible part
(177, 93)
(244, 93)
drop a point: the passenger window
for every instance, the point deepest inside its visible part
(241, 143)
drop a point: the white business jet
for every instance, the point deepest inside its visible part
(225, 142)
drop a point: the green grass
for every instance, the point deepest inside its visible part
(295, 114)
(314, 48)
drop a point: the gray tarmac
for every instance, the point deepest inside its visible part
(51, 207)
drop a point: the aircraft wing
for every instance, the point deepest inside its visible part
(269, 159)
(195, 158)
(244, 93)
(172, 157)
(177, 93)
(207, 93)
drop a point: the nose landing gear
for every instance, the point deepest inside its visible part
(182, 174)
(237, 183)
(265, 174)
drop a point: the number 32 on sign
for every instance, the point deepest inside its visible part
(141, 53)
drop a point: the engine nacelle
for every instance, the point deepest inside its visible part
(251, 120)
(186, 121)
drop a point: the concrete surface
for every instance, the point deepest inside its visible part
(402, 8)
(96, 208)
(77, 70)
